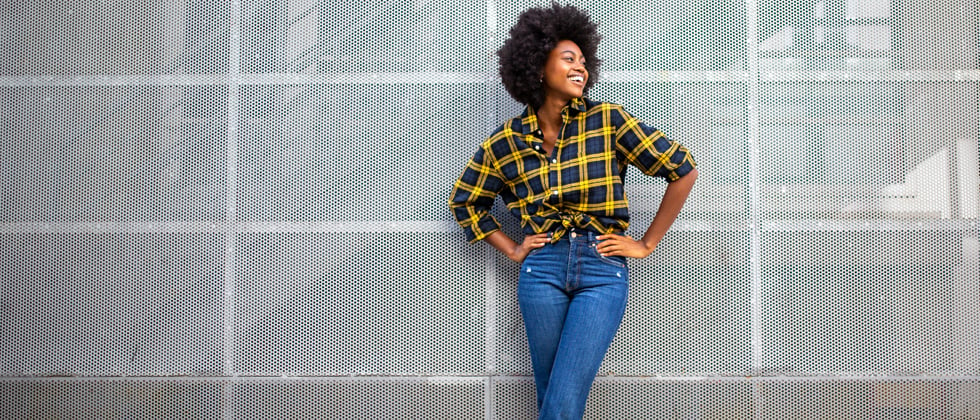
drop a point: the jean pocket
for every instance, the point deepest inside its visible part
(614, 260)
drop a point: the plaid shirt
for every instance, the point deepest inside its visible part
(579, 184)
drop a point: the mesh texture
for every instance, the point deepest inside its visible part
(238, 210)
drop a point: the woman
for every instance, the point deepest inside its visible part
(559, 168)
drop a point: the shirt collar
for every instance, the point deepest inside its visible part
(577, 104)
(529, 118)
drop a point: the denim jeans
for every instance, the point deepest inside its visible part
(572, 301)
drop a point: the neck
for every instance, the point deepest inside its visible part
(549, 114)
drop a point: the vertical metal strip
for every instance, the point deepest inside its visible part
(491, 274)
(491, 337)
(755, 240)
(231, 215)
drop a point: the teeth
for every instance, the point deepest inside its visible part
(576, 78)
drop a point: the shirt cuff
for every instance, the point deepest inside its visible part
(481, 230)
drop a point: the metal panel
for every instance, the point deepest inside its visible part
(112, 398)
(245, 202)
(89, 37)
(112, 153)
(881, 398)
(361, 398)
(110, 304)
(354, 152)
(359, 303)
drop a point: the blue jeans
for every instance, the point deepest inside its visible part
(572, 301)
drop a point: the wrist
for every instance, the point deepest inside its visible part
(514, 252)
(649, 245)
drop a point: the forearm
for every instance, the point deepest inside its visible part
(502, 243)
(670, 206)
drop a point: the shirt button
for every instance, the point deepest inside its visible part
(555, 192)
(554, 160)
(537, 147)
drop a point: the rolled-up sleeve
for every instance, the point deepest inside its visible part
(473, 196)
(651, 151)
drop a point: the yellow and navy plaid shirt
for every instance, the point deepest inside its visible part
(579, 184)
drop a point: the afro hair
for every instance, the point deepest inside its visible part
(537, 31)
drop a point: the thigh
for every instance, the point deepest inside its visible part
(541, 295)
(595, 313)
(544, 304)
(542, 277)
(599, 302)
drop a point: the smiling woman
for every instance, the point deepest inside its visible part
(559, 168)
(531, 41)
(564, 79)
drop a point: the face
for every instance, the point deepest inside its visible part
(564, 72)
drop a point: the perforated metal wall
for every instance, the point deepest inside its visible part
(238, 210)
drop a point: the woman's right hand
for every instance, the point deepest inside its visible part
(517, 251)
(530, 243)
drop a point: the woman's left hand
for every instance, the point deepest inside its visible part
(622, 245)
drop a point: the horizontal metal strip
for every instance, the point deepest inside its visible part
(965, 225)
(246, 79)
(970, 75)
(871, 378)
(223, 227)
(674, 76)
(238, 379)
(681, 225)
(113, 227)
(118, 80)
(780, 379)
(351, 227)
(871, 76)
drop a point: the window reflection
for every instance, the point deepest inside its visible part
(851, 35)
(841, 137)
